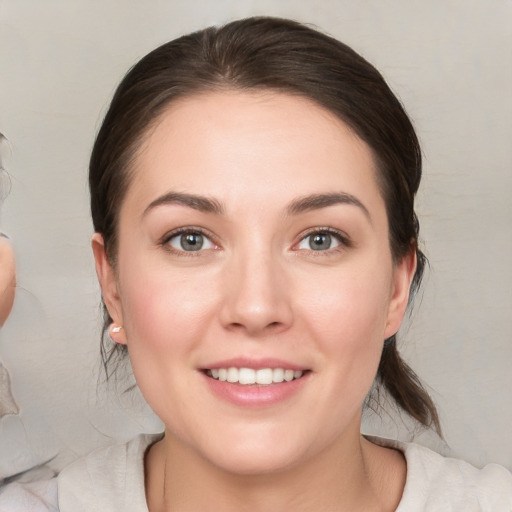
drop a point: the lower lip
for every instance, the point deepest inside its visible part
(255, 395)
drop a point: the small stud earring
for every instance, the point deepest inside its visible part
(116, 329)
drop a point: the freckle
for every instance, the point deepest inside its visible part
(7, 403)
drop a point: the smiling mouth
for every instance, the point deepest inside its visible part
(248, 376)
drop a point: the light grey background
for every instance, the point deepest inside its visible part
(450, 63)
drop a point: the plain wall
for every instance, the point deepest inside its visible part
(450, 61)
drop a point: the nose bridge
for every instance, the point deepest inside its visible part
(256, 298)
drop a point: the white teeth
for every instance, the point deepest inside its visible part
(277, 375)
(247, 376)
(232, 375)
(264, 376)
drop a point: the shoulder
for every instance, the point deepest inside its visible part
(445, 481)
(436, 483)
(108, 479)
(40, 496)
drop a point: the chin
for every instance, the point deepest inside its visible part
(257, 449)
(252, 462)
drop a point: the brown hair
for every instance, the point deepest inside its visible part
(286, 56)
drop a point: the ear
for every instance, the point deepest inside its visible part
(403, 274)
(109, 287)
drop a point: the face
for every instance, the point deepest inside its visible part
(253, 249)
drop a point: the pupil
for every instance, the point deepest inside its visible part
(320, 242)
(192, 241)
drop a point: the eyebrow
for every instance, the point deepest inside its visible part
(318, 201)
(200, 203)
(301, 205)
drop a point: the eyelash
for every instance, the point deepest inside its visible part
(339, 236)
(192, 230)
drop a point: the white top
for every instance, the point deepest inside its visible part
(112, 479)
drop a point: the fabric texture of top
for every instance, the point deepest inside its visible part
(112, 479)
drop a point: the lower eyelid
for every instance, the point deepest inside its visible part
(206, 240)
(333, 238)
(340, 239)
(173, 235)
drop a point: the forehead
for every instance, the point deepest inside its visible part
(257, 145)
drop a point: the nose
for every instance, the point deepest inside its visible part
(257, 295)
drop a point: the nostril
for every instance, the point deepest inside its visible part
(270, 327)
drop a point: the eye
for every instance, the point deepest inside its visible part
(190, 241)
(321, 240)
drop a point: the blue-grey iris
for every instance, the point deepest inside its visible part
(320, 242)
(191, 241)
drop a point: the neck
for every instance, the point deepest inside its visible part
(352, 474)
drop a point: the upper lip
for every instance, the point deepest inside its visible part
(255, 364)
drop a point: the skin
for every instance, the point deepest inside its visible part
(258, 290)
(7, 279)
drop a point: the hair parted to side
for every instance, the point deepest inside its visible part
(278, 55)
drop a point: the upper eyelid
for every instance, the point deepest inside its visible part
(324, 229)
(188, 229)
(344, 240)
(341, 235)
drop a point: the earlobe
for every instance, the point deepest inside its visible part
(116, 333)
(109, 288)
(403, 275)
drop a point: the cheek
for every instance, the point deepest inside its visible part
(348, 320)
(164, 309)
(351, 307)
(166, 317)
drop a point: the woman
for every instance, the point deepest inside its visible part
(252, 193)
